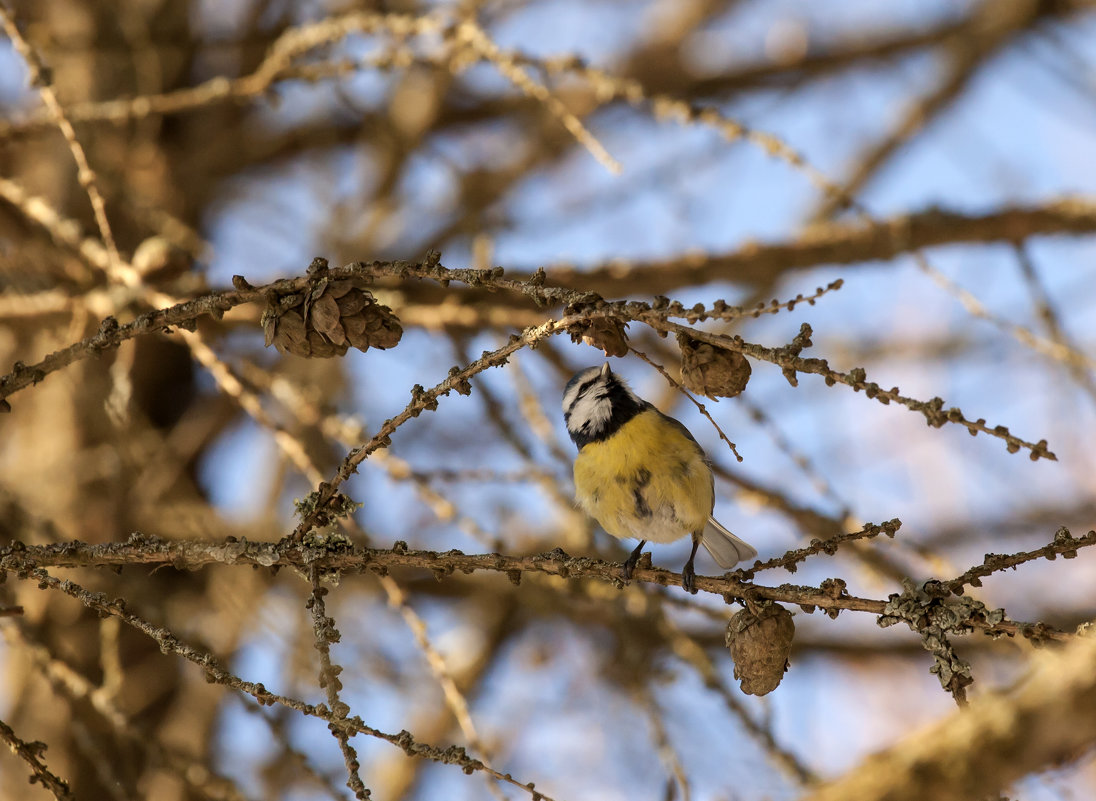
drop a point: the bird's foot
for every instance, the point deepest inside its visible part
(629, 565)
(688, 575)
(688, 579)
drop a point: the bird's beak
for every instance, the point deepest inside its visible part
(605, 370)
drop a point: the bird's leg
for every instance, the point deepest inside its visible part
(630, 562)
(688, 575)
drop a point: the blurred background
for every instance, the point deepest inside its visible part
(695, 149)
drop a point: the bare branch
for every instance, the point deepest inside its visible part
(831, 596)
(325, 633)
(31, 753)
(40, 78)
(853, 242)
(1064, 545)
(169, 643)
(990, 27)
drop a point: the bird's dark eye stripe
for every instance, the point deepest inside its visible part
(584, 387)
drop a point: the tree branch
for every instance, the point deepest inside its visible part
(830, 596)
(170, 644)
(836, 243)
(31, 753)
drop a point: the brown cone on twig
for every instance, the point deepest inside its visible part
(712, 371)
(760, 639)
(333, 316)
(605, 333)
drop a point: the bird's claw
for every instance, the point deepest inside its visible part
(688, 580)
(630, 563)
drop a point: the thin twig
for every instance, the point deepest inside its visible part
(1064, 545)
(828, 546)
(700, 406)
(454, 698)
(170, 644)
(471, 35)
(81, 693)
(1052, 319)
(799, 458)
(663, 744)
(31, 753)
(788, 359)
(1056, 349)
(39, 78)
(325, 633)
(278, 729)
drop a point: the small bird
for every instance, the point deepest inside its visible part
(641, 474)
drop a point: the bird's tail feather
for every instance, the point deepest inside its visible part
(727, 549)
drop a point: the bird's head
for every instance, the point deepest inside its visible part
(596, 403)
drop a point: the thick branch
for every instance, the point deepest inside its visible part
(836, 243)
(185, 555)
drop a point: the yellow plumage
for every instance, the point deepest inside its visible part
(641, 474)
(616, 485)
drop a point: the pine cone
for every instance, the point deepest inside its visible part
(605, 333)
(760, 642)
(712, 371)
(334, 315)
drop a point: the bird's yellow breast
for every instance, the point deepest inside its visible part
(648, 481)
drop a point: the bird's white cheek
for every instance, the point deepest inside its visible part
(591, 408)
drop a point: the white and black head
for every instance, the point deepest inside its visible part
(596, 403)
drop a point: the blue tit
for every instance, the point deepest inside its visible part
(641, 474)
